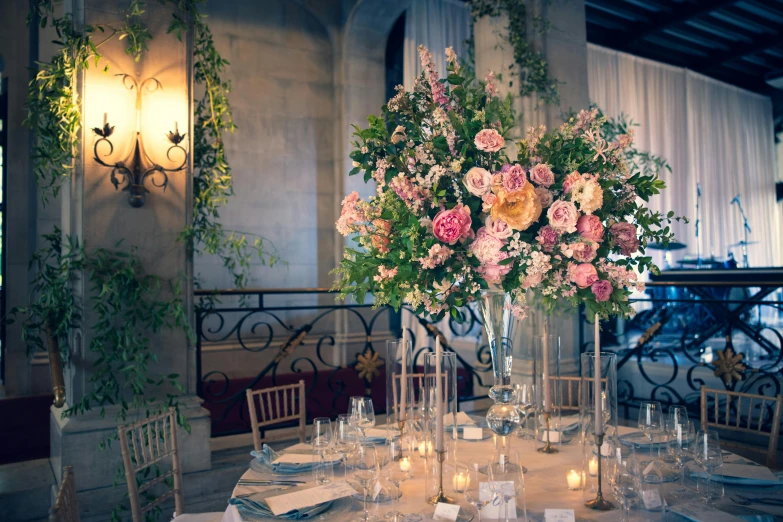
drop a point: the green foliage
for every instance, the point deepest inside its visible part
(529, 64)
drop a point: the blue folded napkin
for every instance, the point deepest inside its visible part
(738, 481)
(256, 505)
(267, 456)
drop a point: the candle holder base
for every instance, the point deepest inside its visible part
(599, 503)
(440, 496)
(548, 446)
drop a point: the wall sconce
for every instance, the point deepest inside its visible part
(138, 166)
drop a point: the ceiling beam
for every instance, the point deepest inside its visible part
(715, 59)
(622, 9)
(684, 12)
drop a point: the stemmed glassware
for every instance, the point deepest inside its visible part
(479, 472)
(707, 454)
(525, 403)
(626, 483)
(366, 470)
(509, 481)
(651, 421)
(362, 414)
(321, 441)
(679, 444)
(346, 439)
(397, 472)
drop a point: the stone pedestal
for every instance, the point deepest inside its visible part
(101, 217)
(564, 47)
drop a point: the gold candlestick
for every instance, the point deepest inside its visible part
(441, 496)
(547, 447)
(599, 503)
(401, 425)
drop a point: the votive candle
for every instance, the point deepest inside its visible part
(574, 479)
(405, 464)
(460, 482)
(592, 467)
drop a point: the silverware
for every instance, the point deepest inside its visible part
(745, 501)
(269, 482)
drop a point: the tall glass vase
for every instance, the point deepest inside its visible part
(495, 307)
(399, 389)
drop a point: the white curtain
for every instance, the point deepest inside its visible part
(436, 24)
(711, 133)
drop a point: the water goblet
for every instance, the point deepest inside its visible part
(366, 471)
(397, 472)
(509, 481)
(345, 439)
(321, 441)
(479, 472)
(708, 455)
(651, 421)
(679, 449)
(362, 414)
(626, 484)
(525, 403)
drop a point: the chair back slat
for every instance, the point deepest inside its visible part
(764, 410)
(66, 506)
(274, 407)
(144, 444)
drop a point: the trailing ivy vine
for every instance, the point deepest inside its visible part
(530, 66)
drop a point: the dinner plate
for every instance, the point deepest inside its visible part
(734, 481)
(262, 468)
(641, 440)
(480, 422)
(339, 507)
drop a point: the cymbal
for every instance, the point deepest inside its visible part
(673, 245)
(741, 243)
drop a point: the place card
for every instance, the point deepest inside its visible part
(463, 419)
(554, 436)
(652, 499)
(496, 508)
(376, 433)
(606, 450)
(559, 515)
(701, 512)
(445, 511)
(308, 497)
(746, 471)
(377, 490)
(472, 433)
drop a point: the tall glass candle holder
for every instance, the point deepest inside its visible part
(546, 372)
(399, 389)
(609, 413)
(440, 409)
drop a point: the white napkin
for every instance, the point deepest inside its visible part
(300, 447)
(300, 458)
(463, 419)
(746, 471)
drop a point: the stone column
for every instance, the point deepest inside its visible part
(100, 216)
(564, 47)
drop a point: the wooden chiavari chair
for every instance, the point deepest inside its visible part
(66, 507)
(276, 406)
(146, 444)
(736, 411)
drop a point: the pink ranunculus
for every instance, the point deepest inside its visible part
(625, 236)
(498, 228)
(542, 175)
(487, 200)
(584, 275)
(544, 196)
(602, 289)
(449, 226)
(514, 178)
(584, 252)
(590, 227)
(489, 140)
(478, 181)
(563, 216)
(570, 180)
(547, 238)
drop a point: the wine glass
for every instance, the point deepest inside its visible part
(321, 441)
(365, 473)
(509, 481)
(707, 454)
(677, 415)
(479, 472)
(345, 439)
(679, 449)
(525, 403)
(397, 472)
(362, 414)
(625, 483)
(651, 421)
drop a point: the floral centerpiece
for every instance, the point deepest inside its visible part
(454, 218)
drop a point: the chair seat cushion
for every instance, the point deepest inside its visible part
(200, 517)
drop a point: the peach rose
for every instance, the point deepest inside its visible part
(544, 196)
(563, 216)
(590, 227)
(584, 275)
(478, 181)
(542, 175)
(489, 140)
(519, 209)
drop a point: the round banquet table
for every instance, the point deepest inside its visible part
(545, 486)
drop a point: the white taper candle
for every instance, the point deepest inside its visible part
(439, 396)
(599, 424)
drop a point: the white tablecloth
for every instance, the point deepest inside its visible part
(545, 485)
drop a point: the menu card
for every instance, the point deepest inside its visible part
(445, 511)
(699, 512)
(559, 515)
(308, 497)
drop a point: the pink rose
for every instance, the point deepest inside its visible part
(542, 175)
(489, 140)
(602, 289)
(532, 280)
(625, 236)
(563, 216)
(544, 196)
(547, 238)
(514, 178)
(486, 248)
(493, 274)
(449, 226)
(570, 180)
(584, 252)
(584, 275)
(590, 227)
(487, 201)
(478, 181)
(497, 228)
